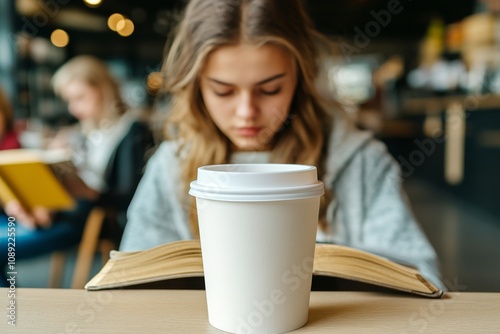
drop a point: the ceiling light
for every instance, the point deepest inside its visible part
(59, 38)
(92, 3)
(113, 20)
(125, 27)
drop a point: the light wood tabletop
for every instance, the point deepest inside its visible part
(185, 311)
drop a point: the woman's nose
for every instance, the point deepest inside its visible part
(246, 107)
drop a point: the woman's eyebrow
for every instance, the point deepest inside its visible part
(274, 77)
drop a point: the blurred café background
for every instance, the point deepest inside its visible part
(423, 76)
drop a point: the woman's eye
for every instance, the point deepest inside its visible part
(271, 92)
(222, 94)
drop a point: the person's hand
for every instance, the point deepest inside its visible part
(78, 189)
(38, 217)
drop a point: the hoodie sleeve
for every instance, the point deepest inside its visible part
(389, 225)
(154, 216)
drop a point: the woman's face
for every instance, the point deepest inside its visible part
(248, 91)
(85, 102)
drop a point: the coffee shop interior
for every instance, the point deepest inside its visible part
(422, 76)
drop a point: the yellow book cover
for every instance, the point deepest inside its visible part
(34, 178)
(182, 259)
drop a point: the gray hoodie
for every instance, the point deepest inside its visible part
(369, 210)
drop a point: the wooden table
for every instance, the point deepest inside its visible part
(184, 311)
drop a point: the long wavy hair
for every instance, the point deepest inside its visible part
(94, 72)
(211, 24)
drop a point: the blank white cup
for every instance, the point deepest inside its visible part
(257, 231)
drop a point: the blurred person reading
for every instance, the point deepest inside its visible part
(108, 147)
(243, 77)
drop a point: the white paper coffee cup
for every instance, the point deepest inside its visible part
(257, 231)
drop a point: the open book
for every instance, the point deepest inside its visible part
(36, 178)
(182, 259)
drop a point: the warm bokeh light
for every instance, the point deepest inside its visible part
(59, 38)
(154, 81)
(93, 3)
(27, 7)
(113, 20)
(125, 27)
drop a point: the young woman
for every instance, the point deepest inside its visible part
(243, 76)
(108, 147)
(8, 137)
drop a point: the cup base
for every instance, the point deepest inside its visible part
(245, 327)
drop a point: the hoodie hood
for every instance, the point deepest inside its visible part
(345, 141)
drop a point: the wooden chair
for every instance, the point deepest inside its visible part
(91, 244)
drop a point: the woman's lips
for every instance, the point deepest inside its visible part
(251, 131)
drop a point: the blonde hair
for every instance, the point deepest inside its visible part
(211, 24)
(6, 112)
(94, 72)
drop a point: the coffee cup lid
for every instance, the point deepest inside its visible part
(256, 182)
